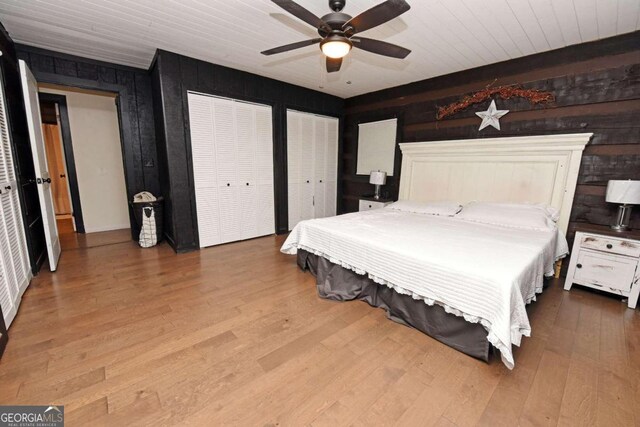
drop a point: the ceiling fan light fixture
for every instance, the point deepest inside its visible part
(336, 46)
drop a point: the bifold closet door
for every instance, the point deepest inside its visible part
(331, 166)
(232, 149)
(264, 170)
(203, 152)
(312, 159)
(307, 164)
(325, 166)
(300, 166)
(226, 165)
(15, 273)
(319, 158)
(294, 166)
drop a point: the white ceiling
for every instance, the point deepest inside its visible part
(444, 35)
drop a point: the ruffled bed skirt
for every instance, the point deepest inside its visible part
(337, 283)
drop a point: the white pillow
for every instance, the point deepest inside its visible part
(429, 208)
(517, 215)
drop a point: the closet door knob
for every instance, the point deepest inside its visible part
(578, 265)
(228, 185)
(320, 180)
(247, 183)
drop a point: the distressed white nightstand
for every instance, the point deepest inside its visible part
(368, 205)
(606, 260)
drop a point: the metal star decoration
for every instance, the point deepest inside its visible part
(491, 116)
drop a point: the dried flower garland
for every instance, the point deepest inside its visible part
(504, 92)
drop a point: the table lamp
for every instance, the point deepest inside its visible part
(627, 194)
(378, 178)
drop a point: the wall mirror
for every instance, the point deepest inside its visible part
(377, 146)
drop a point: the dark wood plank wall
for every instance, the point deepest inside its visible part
(135, 107)
(173, 75)
(23, 158)
(597, 89)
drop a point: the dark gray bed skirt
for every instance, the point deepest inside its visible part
(337, 283)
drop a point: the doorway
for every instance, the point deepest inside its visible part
(52, 132)
(84, 155)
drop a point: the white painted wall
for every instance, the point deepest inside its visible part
(97, 150)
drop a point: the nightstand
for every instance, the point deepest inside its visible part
(369, 203)
(607, 260)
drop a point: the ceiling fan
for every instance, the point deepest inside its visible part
(337, 30)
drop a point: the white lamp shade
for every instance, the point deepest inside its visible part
(378, 177)
(625, 192)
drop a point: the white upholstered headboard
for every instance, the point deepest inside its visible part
(539, 169)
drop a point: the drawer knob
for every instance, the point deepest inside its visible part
(578, 265)
(369, 205)
(609, 246)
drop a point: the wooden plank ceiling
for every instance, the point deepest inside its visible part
(445, 36)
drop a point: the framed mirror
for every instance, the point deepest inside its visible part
(377, 146)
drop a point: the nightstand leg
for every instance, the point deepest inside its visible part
(568, 281)
(633, 296)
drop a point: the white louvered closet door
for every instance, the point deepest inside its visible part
(205, 177)
(331, 166)
(294, 168)
(15, 273)
(307, 163)
(246, 148)
(312, 162)
(264, 170)
(227, 169)
(319, 158)
(232, 148)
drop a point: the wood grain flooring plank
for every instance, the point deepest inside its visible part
(545, 396)
(580, 400)
(121, 335)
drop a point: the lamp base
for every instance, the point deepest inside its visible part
(617, 227)
(377, 194)
(622, 218)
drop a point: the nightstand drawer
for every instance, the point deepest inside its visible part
(612, 245)
(368, 205)
(612, 271)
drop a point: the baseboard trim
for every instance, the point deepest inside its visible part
(126, 226)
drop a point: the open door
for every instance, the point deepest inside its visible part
(32, 106)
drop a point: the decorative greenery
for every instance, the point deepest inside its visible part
(504, 92)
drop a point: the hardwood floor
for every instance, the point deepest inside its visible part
(69, 239)
(236, 335)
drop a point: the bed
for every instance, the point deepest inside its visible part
(461, 282)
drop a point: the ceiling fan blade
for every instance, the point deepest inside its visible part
(301, 13)
(333, 64)
(377, 15)
(380, 47)
(292, 46)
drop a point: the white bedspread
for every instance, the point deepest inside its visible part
(485, 273)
